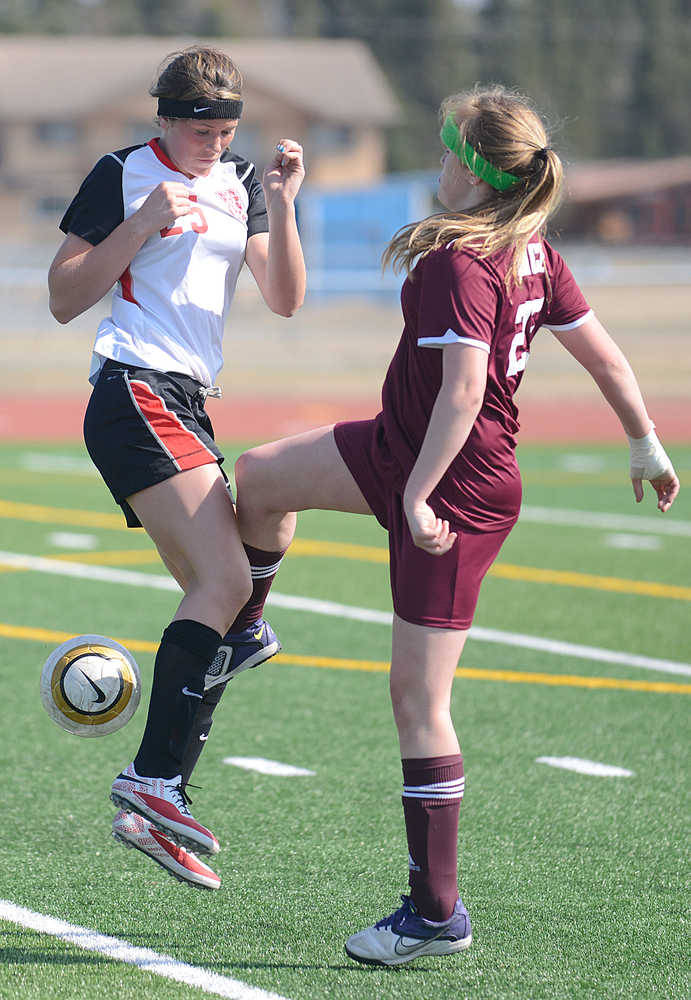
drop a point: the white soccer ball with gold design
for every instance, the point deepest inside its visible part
(90, 685)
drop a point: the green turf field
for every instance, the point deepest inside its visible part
(576, 883)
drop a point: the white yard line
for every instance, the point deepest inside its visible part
(47, 462)
(581, 766)
(557, 648)
(609, 522)
(156, 581)
(72, 540)
(273, 767)
(143, 958)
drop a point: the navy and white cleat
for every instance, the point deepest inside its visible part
(405, 935)
(241, 650)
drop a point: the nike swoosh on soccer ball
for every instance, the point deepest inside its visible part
(100, 696)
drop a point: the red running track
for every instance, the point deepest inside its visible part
(37, 418)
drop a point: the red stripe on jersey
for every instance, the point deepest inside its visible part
(164, 158)
(184, 447)
(125, 280)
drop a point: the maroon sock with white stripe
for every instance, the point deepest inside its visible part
(263, 567)
(432, 793)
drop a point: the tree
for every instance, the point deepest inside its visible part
(424, 48)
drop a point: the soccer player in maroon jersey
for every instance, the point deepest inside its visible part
(170, 224)
(437, 465)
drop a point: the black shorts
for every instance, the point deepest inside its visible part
(143, 426)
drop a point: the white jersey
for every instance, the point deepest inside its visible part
(169, 306)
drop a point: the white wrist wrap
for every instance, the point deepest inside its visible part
(649, 459)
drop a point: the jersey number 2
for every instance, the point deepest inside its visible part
(198, 223)
(517, 362)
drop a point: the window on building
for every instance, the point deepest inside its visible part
(52, 204)
(249, 144)
(141, 132)
(325, 137)
(57, 133)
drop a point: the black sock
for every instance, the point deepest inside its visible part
(187, 648)
(201, 727)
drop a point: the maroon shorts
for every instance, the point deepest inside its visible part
(435, 591)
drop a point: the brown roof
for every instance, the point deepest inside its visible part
(607, 179)
(55, 77)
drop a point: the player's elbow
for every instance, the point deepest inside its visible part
(60, 301)
(60, 310)
(286, 311)
(467, 397)
(287, 306)
(610, 371)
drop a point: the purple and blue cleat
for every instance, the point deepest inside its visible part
(241, 650)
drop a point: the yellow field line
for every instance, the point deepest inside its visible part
(381, 666)
(338, 550)
(54, 636)
(118, 557)
(60, 515)
(565, 578)
(506, 571)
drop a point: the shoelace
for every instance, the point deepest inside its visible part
(403, 911)
(181, 799)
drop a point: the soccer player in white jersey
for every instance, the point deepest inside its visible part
(169, 224)
(437, 466)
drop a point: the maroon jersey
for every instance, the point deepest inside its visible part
(457, 297)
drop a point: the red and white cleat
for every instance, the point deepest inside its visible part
(135, 831)
(163, 802)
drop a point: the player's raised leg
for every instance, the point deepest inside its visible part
(274, 481)
(303, 472)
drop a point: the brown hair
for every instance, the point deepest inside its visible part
(502, 126)
(197, 72)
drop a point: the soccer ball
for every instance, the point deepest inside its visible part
(90, 685)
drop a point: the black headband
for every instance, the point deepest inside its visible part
(203, 107)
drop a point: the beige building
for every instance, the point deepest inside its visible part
(629, 202)
(64, 101)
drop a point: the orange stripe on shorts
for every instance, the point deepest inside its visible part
(185, 448)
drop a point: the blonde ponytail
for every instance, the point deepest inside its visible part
(505, 130)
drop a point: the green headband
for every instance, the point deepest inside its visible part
(478, 165)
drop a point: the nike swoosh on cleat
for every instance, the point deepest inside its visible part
(404, 949)
(259, 634)
(192, 694)
(100, 696)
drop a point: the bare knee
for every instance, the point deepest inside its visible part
(215, 594)
(248, 468)
(407, 710)
(417, 709)
(234, 589)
